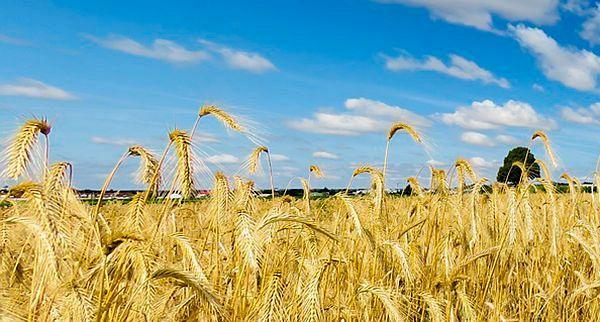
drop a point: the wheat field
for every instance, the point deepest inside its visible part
(448, 252)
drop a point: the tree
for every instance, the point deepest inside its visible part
(512, 174)
(407, 191)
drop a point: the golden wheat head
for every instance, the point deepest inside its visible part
(404, 127)
(415, 185)
(18, 152)
(228, 120)
(464, 166)
(316, 171)
(184, 174)
(254, 160)
(546, 141)
(57, 175)
(148, 170)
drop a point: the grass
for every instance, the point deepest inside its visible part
(445, 253)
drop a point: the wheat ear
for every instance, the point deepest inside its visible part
(148, 172)
(546, 141)
(393, 130)
(18, 152)
(184, 174)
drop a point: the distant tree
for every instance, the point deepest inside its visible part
(512, 175)
(407, 191)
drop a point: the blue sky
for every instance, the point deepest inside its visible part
(322, 80)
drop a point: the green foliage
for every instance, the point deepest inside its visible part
(512, 174)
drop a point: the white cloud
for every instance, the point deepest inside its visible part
(480, 139)
(476, 138)
(13, 41)
(239, 59)
(222, 159)
(172, 52)
(160, 49)
(34, 88)
(325, 155)
(538, 87)
(487, 115)
(589, 115)
(113, 141)
(435, 163)
(336, 124)
(279, 157)
(506, 139)
(458, 67)
(206, 138)
(478, 13)
(481, 163)
(575, 68)
(578, 7)
(290, 169)
(365, 106)
(366, 116)
(591, 27)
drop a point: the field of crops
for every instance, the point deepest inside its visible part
(445, 253)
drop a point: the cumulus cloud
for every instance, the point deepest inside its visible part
(239, 59)
(480, 139)
(487, 115)
(481, 163)
(33, 88)
(589, 115)
(478, 13)
(458, 67)
(578, 7)
(590, 30)
(161, 49)
(113, 141)
(336, 124)
(363, 116)
(222, 159)
(476, 138)
(574, 68)
(365, 106)
(325, 155)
